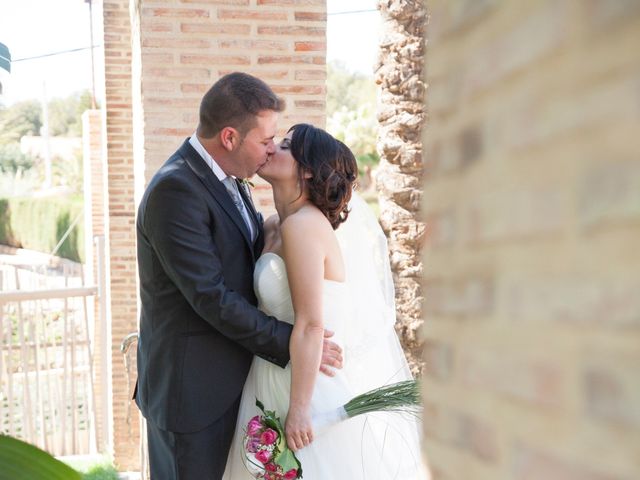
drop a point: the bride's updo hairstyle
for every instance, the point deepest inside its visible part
(332, 168)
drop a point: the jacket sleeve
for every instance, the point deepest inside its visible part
(177, 224)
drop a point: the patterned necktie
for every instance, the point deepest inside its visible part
(232, 187)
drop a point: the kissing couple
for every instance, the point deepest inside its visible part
(297, 310)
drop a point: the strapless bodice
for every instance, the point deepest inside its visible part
(271, 285)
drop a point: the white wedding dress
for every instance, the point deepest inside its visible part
(368, 447)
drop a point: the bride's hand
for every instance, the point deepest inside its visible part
(298, 428)
(331, 355)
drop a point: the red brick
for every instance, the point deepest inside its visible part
(319, 3)
(157, 27)
(311, 16)
(311, 104)
(213, 28)
(168, 72)
(252, 15)
(172, 131)
(292, 31)
(218, 2)
(214, 60)
(289, 59)
(253, 45)
(310, 46)
(195, 87)
(176, 43)
(298, 89)
(175, 12)
(311, 74)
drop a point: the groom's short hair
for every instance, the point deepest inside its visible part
(234, 101)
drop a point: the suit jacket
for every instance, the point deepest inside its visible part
(199, 326)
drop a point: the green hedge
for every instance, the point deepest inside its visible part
(39, 223)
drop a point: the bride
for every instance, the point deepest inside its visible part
(325, 265)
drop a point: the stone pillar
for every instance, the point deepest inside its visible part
(532, 271)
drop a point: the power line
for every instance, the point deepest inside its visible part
(352, 11)
(96, 46)
(54, 53)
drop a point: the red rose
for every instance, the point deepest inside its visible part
(291, 474)
(270, 467)
(268, 437)
(263, 456)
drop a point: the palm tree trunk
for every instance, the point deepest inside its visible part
(401, 114)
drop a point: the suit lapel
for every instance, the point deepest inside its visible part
(215, 187)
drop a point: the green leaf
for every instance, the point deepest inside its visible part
(260, 405)
(22, 461)
(287, 460)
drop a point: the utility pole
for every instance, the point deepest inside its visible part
(93, 75)
(44, 132)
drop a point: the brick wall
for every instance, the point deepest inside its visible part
(185, 46)
(121, 264)
(161, 56)
(532, 201)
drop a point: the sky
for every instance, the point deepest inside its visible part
(31, 28)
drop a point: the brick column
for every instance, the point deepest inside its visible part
(121, 264)
(94, 169)
(532, 271)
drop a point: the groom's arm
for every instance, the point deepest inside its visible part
(177, 224)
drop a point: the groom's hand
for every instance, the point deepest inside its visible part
(331, 355)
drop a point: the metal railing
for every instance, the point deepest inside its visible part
(47, 327)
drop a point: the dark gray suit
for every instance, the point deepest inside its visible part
(199, 327)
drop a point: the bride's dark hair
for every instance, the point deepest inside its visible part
(332, 168)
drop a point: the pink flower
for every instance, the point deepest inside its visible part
(268, 437)
(254, 426)
(252, 445)
(291, 474)
(270, 467)
(263, 456)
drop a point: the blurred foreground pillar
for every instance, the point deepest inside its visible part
(532, 268)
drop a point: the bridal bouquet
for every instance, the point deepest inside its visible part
(265, 446)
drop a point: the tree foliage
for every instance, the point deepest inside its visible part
(65, 114)
(351, 111)
(12, 160)
(20, 119)
(25, 118)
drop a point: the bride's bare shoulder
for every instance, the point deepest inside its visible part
(306, 221)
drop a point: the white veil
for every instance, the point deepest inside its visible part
(373, 356)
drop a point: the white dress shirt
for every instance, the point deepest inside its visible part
(219, 173)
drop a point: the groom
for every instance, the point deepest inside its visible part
(198, 237)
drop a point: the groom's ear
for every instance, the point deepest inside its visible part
(229, 138)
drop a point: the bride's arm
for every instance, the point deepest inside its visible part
(304, 254)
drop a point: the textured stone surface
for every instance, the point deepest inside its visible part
(401, 114)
